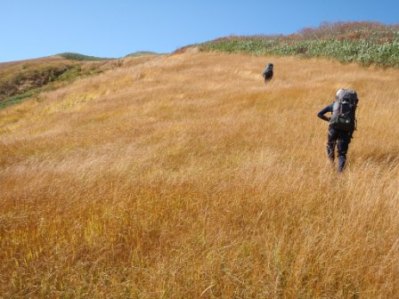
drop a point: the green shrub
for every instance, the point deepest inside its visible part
(361, 42)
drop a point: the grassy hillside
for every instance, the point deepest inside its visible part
(23, 79)
(184, 176)
(362, 42)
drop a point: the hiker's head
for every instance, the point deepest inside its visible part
(339, 93)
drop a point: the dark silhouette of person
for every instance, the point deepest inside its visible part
(268, 72)
(340, 136)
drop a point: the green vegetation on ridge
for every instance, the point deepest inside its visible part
(81, 57)
(141, 53)
(361, 42)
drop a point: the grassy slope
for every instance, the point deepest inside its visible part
(185, 176)
(22, 80)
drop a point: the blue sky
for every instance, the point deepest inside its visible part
(37, 28)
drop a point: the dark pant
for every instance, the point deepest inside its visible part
(341, 139)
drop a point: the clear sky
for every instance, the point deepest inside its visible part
(37, 28)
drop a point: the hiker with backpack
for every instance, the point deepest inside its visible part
(342, 124)
(268, 72)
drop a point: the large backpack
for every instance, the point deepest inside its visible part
(344, 107)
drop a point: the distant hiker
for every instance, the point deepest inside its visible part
(268, 72)
(342, 124)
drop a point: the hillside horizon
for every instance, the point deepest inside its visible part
(344, 30)
(365, 43)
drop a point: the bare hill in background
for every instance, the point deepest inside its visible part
(20, 80)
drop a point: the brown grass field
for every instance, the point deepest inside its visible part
(185, 176)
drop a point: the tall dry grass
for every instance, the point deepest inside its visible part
(186, 177)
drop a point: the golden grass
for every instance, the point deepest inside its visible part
(184, 176)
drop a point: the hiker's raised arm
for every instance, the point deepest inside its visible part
(322, 113)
